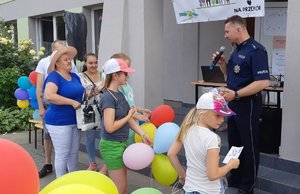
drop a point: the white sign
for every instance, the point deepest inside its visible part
(192, 11)
(278, 62)
(275, 22)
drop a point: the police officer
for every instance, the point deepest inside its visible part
(247, 74)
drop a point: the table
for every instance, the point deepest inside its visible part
(202, 83)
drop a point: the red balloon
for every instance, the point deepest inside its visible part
(162, 114)
(33, 77)
(17, 169)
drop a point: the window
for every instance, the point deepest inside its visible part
(13, 26)
(97, 28)
(51, 28)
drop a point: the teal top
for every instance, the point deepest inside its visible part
(127, 91)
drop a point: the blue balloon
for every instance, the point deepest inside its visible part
(34, 104)
(32, 92)
(141, 122)
(36, 115)
(21, 94)
(24, 83)
(164, 137)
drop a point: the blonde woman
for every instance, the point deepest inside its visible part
(202, 147)
(63, 91)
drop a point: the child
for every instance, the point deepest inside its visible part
(115, 122)
(127, 91)
(202, 146)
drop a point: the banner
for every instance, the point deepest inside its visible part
(191, 11)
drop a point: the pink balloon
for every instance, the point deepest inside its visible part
(138, 156)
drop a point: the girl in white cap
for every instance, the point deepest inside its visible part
(115, 122)
(202, 146)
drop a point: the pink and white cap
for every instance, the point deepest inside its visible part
(216, 102)
(116, 65)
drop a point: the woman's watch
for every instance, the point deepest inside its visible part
(236, 95)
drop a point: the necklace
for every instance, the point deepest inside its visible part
(95, 77)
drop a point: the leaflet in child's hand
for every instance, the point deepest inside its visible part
(233, 153)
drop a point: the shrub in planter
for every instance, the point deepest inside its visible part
(13, 119)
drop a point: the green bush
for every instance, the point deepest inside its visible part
(8, 85)
(17, 58)
(12, 119)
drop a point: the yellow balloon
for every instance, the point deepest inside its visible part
(84, 177)
(76, 189)
(22, 103)
(162, 170)
(149, 128)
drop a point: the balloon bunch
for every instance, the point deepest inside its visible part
(162, 132)
(23, 177)
(26, 93)
(82, 181)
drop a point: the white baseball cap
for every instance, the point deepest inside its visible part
(116, 65)
(216, 102)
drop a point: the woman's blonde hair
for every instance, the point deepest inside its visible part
(189, 120)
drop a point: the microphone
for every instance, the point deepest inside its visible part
(214, 62)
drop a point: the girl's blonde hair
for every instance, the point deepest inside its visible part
(189, 120)
(122, 56)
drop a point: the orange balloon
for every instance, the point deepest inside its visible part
(162, 114)
(17, 169)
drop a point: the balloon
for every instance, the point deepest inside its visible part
(149, 128)
(36, 115)
(162, 114)
(32, 92)
(17, 169)
(33, 77)
(164, 137)
(130, 139)
(21, 94)
(138, 156)
(22, 103)
(146, 190)
(34, 104)
(84, 177)
(162, 170)
(24, 83)
(76, 189)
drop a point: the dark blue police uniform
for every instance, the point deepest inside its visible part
(247, 63)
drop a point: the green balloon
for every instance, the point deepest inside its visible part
(146, 190)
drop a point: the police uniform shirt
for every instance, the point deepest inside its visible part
(247, 63)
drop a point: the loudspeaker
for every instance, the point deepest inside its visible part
(270, 130)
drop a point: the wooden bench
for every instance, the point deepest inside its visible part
(35, 125)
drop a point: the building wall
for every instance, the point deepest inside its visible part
(22, 9)
(180, 54)
(290, 135)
